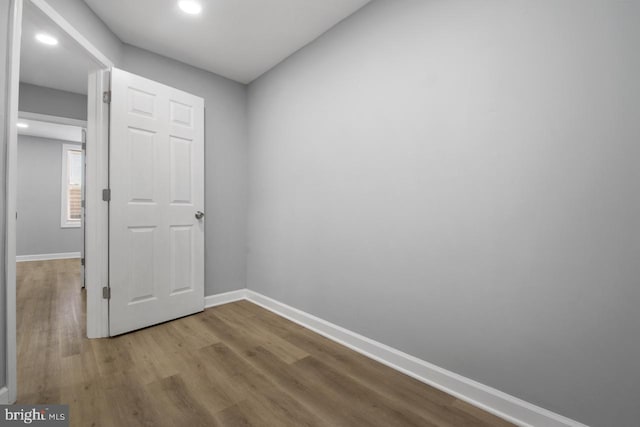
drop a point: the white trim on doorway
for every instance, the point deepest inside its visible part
(96, 247)
(13, 83)
(48, 257)
(4, 396)
(52, 119)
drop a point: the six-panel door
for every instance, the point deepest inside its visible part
(156, 245)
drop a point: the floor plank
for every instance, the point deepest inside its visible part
(233, 365)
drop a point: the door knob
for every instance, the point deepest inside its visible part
(199, 215)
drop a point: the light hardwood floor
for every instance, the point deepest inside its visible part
(233, 365)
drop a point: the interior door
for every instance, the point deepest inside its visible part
(156, 224)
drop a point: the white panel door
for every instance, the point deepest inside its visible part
(156, 230)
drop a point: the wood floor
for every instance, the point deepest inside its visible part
(233, 365)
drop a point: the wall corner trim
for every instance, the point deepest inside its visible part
(224, 298)
(503, 405)
(4, 396)
(48, 257)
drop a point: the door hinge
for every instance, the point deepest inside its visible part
(81, 261)
(106, 97)
(106, 292)
(106, 194)
(84, 146)
(82, 204)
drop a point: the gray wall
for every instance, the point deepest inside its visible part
(459, 180)
(44, 100)
(4, 51)
(39, 199)
(225, 162)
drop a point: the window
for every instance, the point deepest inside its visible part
(71, 186)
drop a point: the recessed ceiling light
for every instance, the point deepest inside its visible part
(46, 39)
(191, 7)
(22, 125)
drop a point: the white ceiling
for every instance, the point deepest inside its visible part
(64, 67)
(238, 39)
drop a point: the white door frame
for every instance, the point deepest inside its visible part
(25, 115)
(96, 179)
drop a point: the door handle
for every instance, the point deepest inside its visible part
(199, 215)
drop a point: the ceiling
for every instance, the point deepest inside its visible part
(63, 67)
(238, 39)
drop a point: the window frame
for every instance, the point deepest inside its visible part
(65, 222)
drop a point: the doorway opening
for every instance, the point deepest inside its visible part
(50, 292)
(56, 150)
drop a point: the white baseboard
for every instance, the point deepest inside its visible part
(491, 400)
(4, 396)
(47, 257)
(224, 298)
